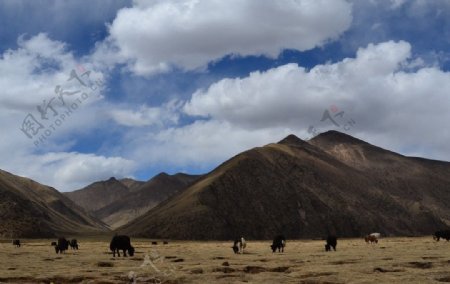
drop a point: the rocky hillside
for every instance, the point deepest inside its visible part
(333, 183)
(147, 196)
(29, 209)
(117, 202)
(100, 194)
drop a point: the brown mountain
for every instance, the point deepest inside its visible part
(30, 209)
(333, 183)
(132, 184)
(116, 202)
(99, 194)
(145, 197)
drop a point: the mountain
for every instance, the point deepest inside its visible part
(30, 210)
(132, 184)
(332, 184)
(147, 196)
(99, 194)
(116, 202)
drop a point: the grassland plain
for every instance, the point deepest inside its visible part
(392, 260)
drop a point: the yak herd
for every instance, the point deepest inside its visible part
(62, 245)
(123, 243)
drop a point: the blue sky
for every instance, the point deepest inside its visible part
(185, 85)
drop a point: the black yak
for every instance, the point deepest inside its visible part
(279, 242)
(73, 244)
(62, 245)
(121, 243)
(445, 234)
(331, 243)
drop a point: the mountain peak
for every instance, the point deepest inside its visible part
(292, 140)
(303, 174)
(336, 136)
(161, 176)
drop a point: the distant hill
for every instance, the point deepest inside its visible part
(147, 196)
(132, 184)
(116, 202)
(332, 184)
(100, 194)
(30, 209)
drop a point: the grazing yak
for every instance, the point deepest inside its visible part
(331, 243)
(53, 244)
(279, 242)
(73, 244)
(16, 243)
(445, 234)
(165, 243)
(121, 243)
(372, 238)
(239, 245)
(154, 243)
(62, 245)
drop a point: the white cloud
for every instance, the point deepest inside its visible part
(167, 114)
(157, 35)
(69, 171)
(395, 4)
(289, 94)
(376, 89)
(28, 76)
(382, 90)
(199, 145)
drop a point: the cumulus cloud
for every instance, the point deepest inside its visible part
(381, 90)
(396, 3)
(155, 36)
(291, 94)
(200, 145)
(30, 73)
(376, 88)
(29, 76)
(22, 80)
(167, 114)
(70, 170)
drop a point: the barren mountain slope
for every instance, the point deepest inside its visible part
(302, 189)
(30, 209)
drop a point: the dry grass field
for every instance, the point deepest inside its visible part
(392, 260)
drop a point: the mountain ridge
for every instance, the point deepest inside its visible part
(128, 198)
(303, 189)
(30, 209)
